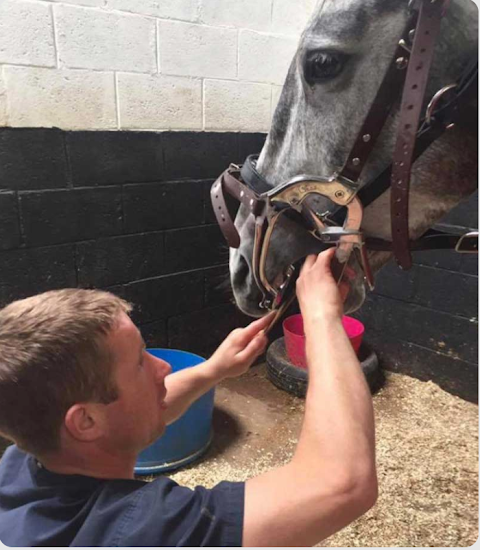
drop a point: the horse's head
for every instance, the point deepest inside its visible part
(342, 58)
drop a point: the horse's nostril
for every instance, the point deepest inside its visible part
(240, 275)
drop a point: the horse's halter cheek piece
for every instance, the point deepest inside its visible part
(409, 71)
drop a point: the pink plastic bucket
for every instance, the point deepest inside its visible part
(295, 337)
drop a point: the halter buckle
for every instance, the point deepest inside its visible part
(434, 101)
(468, 243)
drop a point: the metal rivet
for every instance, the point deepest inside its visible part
(356, 161)
(404, 45)
(339, 194)
(411, 35)
(402, 62)
(367, 138)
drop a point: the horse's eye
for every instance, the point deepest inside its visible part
(323, 65)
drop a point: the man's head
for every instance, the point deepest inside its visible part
(67, 361)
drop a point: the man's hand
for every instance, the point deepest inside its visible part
(240, 349)
(234, 356)
(317, 290)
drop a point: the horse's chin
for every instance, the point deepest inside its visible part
(248, 300)
(251, 309)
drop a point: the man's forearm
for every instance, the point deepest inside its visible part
(338, 429)
(331, 478)
(186, 386)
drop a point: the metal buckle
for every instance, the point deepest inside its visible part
(435, 99)
(468, 236)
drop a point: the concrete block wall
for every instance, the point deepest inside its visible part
(424, 322)
(146, 65)
(128, 212)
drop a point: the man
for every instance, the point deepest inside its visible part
(81, 397)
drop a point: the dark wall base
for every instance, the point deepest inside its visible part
(424, 322)
(125, 211)
(455, 376)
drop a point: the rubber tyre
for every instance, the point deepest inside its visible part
(294, 380)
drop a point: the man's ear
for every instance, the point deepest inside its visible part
(84, 422)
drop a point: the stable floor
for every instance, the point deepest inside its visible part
(427, 449)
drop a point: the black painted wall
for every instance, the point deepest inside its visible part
(424, 322)
(130, 212)
(124, 211)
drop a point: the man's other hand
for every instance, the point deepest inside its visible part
(240, 348)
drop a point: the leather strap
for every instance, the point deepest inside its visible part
(431, 240)
(421, 58)
(381, 107)
(457, 111)
(222, 214)
(243, 194)
(229, 181)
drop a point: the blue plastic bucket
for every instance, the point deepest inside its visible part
(189, 436)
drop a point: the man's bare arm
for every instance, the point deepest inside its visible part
(331, 479)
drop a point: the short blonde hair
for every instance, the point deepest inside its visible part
(53, 355)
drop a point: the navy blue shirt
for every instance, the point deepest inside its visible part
(41, 508)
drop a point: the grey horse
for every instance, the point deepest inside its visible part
(316, 123)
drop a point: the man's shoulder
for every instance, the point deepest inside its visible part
(12, 462)
(83, 511)
(164, 513)
(12, 453)
(42, 508)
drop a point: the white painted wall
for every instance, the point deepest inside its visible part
(214, 65)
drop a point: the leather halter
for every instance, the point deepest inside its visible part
(409, 69)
